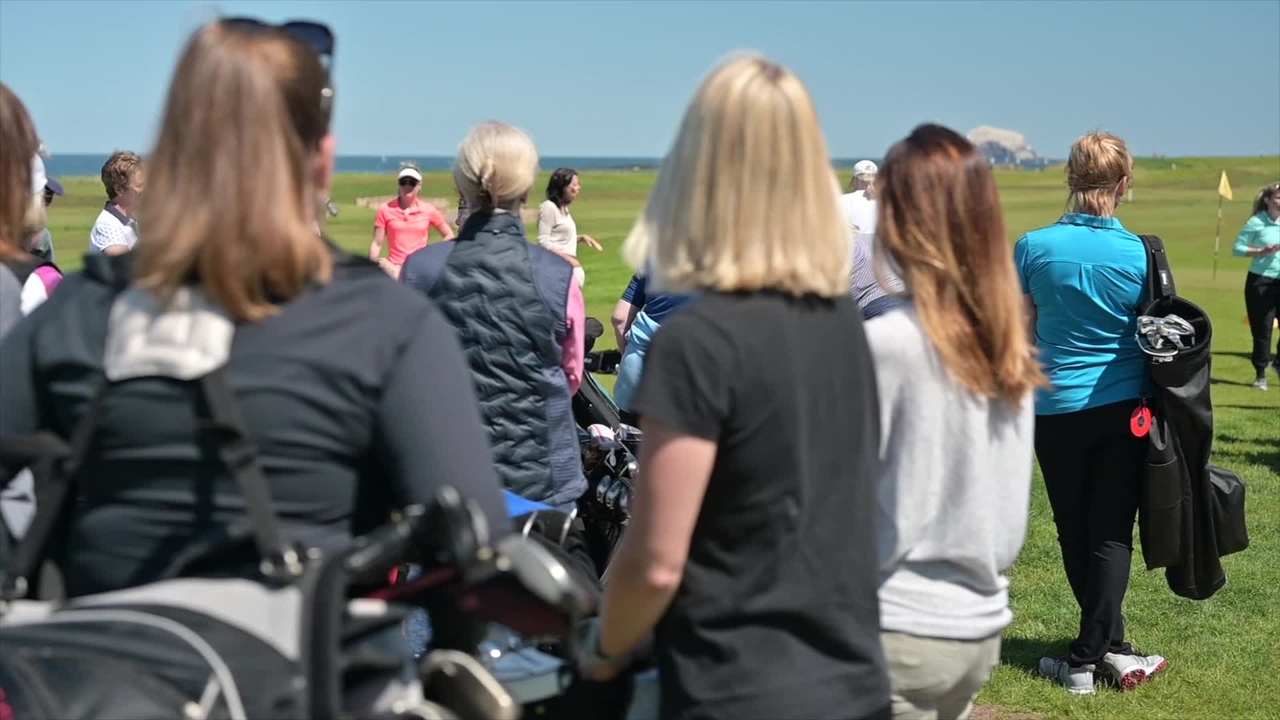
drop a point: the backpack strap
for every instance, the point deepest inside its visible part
(280, 560)
(1159, 277)
(56, 463)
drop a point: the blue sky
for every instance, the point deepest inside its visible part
(1183, 77)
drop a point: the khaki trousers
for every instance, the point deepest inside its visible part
(935, 679)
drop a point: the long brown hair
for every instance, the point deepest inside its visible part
(941, 223)
(18, 144)
(232, 200)
(1264, 195)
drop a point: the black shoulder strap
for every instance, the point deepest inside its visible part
(279, 559)
(55, 465)
(1159, 277)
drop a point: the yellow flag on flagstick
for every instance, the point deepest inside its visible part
(1224, 187)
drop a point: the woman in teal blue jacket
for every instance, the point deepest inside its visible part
(1260, 240)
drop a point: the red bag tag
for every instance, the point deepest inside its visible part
(1140, 421)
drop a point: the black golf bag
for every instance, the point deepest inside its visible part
(1192, 512)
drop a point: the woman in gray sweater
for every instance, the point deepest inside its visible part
(956, 370)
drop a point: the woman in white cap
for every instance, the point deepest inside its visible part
(405, 222)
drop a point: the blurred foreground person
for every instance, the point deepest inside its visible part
(750, 554)
(353, 389)
(1260, 239)
(956, 370)
(1085, 277)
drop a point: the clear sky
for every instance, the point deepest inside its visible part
(1179, 77)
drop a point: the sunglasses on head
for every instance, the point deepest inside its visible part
(314, 35)
(408, 182)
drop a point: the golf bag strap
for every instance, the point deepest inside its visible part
(279, 559)
(60, 464)
(1159, 276)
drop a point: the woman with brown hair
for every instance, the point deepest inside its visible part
(18, 204)
(353, 388)
(750, 554)
(1260, 239)
(956, 371)
(1084, 278)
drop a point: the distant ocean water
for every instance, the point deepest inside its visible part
(70, 165)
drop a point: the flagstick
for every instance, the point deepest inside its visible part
(1217, 239)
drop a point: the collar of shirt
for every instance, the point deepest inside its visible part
(1097, 221)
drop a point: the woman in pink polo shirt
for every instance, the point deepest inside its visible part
(405, 222)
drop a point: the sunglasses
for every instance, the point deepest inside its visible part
(314, 35)
(408, 182)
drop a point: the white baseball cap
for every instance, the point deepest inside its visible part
(38, 177)
(410, 172)
(865, 167)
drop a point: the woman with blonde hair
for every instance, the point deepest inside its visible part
(519, 314)
(1084, 278)
(956, 372)
(352, 388)
(750, 554)
(1260, 239)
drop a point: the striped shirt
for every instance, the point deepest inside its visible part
(863, 282)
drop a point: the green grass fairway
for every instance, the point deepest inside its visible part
(1223, 652)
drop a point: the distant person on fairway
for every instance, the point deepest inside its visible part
(956, 371)
(1085, 277)
(115, 232)
(859, 204)
(405, 222)
(1260, 240)
(557, 230)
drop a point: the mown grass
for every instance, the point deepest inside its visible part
(1223, 652)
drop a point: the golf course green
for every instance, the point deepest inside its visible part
(1222, 652)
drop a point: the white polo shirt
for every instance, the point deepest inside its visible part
(112, 228)
(859, 211)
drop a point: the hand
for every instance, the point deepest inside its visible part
(1270, 250)
(590, 241)
(590, 664)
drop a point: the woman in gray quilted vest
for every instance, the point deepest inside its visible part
(519, 315)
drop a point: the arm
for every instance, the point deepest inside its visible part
(1247, 241)
(683, 400)
(109, 239)
(379, 235)
(1020, 262)
(546, 221)
(590, 241)
(653, 552)
(439, 223)
(624, 313)
(575, 342)
(19, 403)
(429, 430)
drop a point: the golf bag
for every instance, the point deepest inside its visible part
(1192, 513)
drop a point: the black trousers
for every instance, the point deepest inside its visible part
(1092, 466)
(1262, 302)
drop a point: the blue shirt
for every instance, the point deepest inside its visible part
(1087, 276)
(656, 306)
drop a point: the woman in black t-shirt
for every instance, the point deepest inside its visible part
(751, 552)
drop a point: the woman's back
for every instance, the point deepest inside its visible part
(788, 522)
(1086, 276)
(954, 489)
(331, 389)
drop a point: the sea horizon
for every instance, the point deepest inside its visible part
(90, 164)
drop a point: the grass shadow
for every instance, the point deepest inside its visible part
(1025, 653)
(1237, 449)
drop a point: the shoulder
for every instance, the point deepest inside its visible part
(1255, 223)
